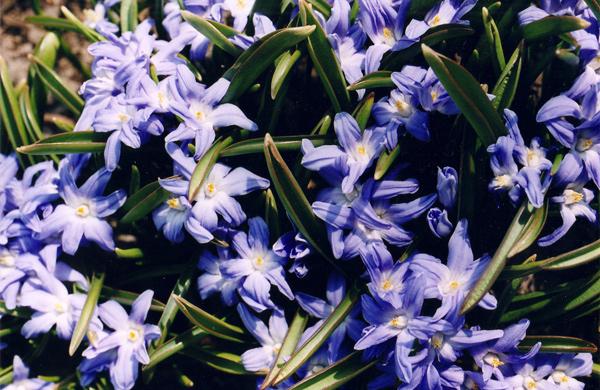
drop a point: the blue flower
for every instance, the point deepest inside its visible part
(357, 151)
(129, 338)
(319, 308)
(21, 380)
(270, 339)
(566, 367)
(296, 247)
(439, 223)
(257, 267)
(434, 97)
(574, 202)
(447, 186)
(239, 10)
(96, 18)
(451, 283)
(84, 211)
(401, 108)
(494, 355)
(388, 279)
(213, 281)
(199, 107)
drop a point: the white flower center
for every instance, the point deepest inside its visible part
(559, 377)
(134, 334)
(388, 36)
(123, 118)
(387, 285)
(503, 181)
(435, 21)
(91, 17)
(174, 203)
(572, 197)
(211, 189)
(437, 340)
(534, 157)
(403, 107)
(7, 260)
(529, 383)
(493, 360)
(584, 144)
(399, 322)
(60, 308)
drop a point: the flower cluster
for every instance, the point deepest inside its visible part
(161, 98)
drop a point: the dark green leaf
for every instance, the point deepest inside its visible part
(494, 43)
(531, 231)
(311, 345)
(219, 360)
(258, 57)
(322, 6)
(211, 33)
(466, 92)
(208, 322)
(283, 67)
(325, 61)
(12, 118)
(362, 112)
(294, 201)
(143, 202)
(128, 297)
(51, 23)
(379, 79)
(553, 25)
(287, 143)
(498, 261)
(175, 345)
(558, 344)
(57, 86)
(335, 375)
(87, 312)
(594, 6)
(385, 161)
(506, 86)
(90, 34)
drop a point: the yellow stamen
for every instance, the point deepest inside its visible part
(435, 21)
(387, 285)
(82, 211)
(399, 322)
(173, 203)
(123, 117)
(361, 150)
(437, 340)
(572, 197)
(211, 188)
(434, 96)
(133, 335)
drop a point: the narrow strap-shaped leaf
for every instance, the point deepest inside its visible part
(129, 15)
(558, 344)
(211, 33)
(286, 143)
(176, 345)
(594, 6)
(51, 23)
(30, 120)
(362, 112)
(322, 6)
(128, 297)
(498, 261)
(494, 43)
(288, 346)
(508, 81)
(87, 312)
(324, 60)
(571, 259)
(57, 86)
(378, 79)
(272, 215)
(385, 161)
(47, 51)
(143, 202)
(336, 374)
(553, 25)
(61, 122)
(209, 322)
(90, 34)
(12, 118)
(282, 70)
(466, 92)
(226, 362)
(294, 201)
(129, 253)
(65, 143)
(311, 345)
(258, 57)
(205, 165)
(531, 231)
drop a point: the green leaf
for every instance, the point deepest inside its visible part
(385, 161)
(492, 37)
(272, 215)
(294, 201)
(12, 118)
(290, 342)
(128, 297)
(283, 67)
(498, 261)
(594, 6)
(396, 59)
(287, 143)
(87, 312)
(310, 346)
(553, 25)
(558, 344)
(46, 50)
(467, 94)
(325, 61)
(506, 86)
(362, 112)
(226, 362)
(51, 23)
(531, 231)
(322, 6)
(575, 258)
(129, 253)
(208, 322)
(30, 120)
(175, 345)
(62, 123)
(258, 57)
(335, 375)
(205, 165)
(378, 79)
(143, 202)
(90, 34)
(129, 15)
(74, 142)
(211, 33)
(57, 86)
